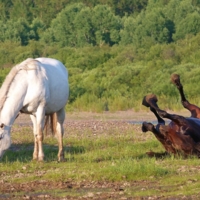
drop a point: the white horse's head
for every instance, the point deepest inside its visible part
(5, 140)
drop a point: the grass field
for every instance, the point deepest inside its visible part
(105, 159)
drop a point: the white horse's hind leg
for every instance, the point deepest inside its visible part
(35, 152)
(60, 132)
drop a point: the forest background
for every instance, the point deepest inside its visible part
(116, 51)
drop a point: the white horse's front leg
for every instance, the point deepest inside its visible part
(38, 124)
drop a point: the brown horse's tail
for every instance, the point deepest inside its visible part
(50, 123)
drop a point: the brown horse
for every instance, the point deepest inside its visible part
(182, 133)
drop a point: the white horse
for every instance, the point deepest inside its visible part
(38, 87)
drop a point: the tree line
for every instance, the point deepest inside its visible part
(116, 51)
(98, 22)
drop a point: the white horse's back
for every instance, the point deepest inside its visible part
(46, 81)
(57, 81)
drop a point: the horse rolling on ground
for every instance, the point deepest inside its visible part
(182, 134)
(38, 87)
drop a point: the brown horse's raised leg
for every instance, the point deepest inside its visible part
(177, 119)
(151, 101)
(195, 110)
(175, 78)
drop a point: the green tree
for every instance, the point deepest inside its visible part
(20, 30)
(106, 25)
(83, 27)
(185, 17)
(37, 27)
(189, 25)
(183, 8)
(5, 6)
(9, 31)
(62, 29)
(78, 25)
(21, 9)
(128, 31)
(150, 26)
(127, 7)
(47, 10)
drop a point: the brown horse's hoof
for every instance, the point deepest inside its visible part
(147, 127)
(148, 98)
(175, 78)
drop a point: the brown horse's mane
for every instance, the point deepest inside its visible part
(10, 77)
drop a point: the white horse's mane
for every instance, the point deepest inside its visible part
(28, 64)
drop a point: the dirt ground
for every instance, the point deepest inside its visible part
(97, 123)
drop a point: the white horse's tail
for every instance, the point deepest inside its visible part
(50, 123)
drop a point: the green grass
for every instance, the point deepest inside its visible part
(112, 158)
